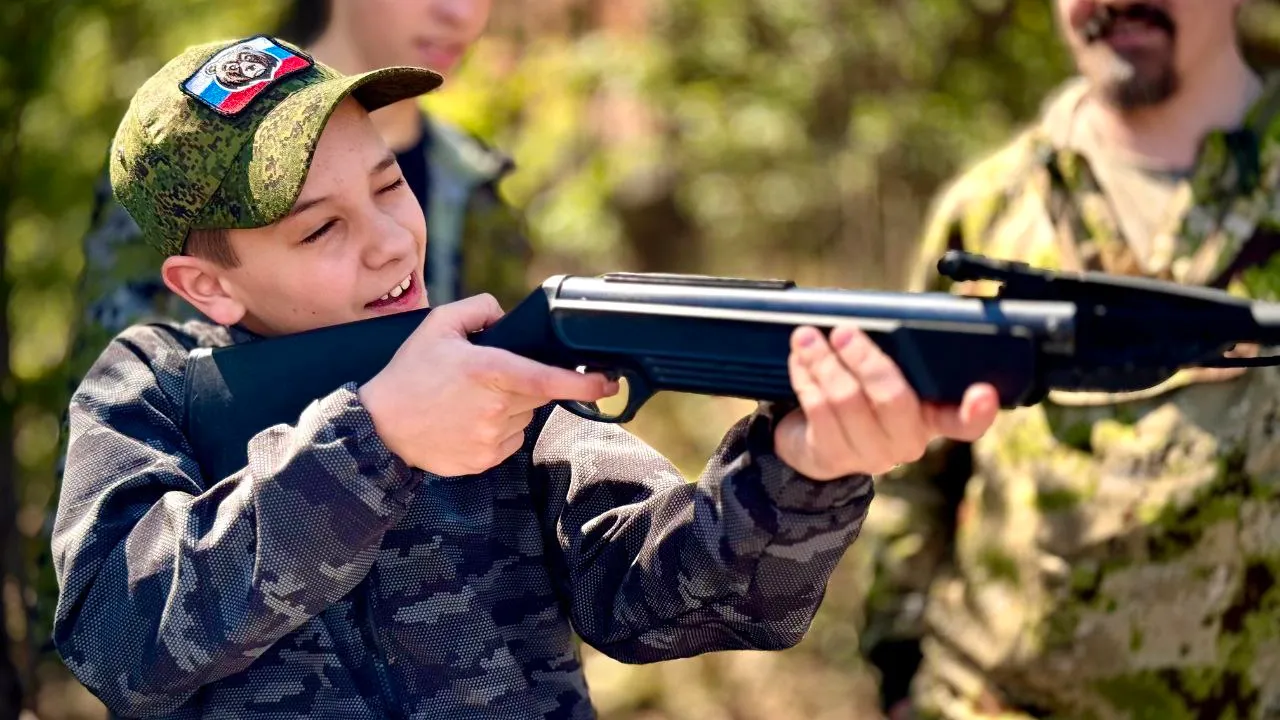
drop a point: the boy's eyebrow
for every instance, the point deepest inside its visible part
(305, 204)
(383, 164)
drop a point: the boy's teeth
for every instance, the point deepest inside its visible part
(398, 290)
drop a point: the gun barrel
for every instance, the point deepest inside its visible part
(776, 302)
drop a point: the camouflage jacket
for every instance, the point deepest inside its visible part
(476, 243)
(328, 580)
(1100, 556)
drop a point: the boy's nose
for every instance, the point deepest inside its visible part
(389, 242)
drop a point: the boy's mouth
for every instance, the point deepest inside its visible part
(440, 56)
(404, 294)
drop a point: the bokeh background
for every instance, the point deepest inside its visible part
(762, 138)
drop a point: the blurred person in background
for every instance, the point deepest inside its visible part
(476, 242)
(1105, 556)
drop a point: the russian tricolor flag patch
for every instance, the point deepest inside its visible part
(234, 77)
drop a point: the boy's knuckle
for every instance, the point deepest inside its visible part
(814, 400)
(891, 391)
(488, 436)
(475, 369)
(844, 396)
(494, 407)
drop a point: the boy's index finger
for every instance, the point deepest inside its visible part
(522, 376)
(558, 384)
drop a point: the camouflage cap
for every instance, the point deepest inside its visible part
(222, 136)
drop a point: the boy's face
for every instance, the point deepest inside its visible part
(426, 33)
(356, 234)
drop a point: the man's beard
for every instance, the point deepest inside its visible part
(1129, 82)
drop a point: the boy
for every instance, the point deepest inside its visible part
(417, 546)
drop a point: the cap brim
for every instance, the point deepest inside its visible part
(264, 184)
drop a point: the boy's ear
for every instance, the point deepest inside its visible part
(199, 282)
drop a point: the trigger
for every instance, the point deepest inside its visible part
(611, 375)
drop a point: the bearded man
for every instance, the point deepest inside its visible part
(1104, 556)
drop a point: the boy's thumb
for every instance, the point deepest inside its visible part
(463, 317)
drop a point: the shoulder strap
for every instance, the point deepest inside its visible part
(1087, 233)
(1252, 174)
(1256, 252)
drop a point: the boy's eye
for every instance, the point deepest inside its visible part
(318, 233)
(393, 186)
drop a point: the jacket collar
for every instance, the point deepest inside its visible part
(453, 151)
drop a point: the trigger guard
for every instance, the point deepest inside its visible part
(578, 408)
(639, 394)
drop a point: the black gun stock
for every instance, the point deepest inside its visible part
(731, 337)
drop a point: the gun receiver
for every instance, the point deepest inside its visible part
(731, 337)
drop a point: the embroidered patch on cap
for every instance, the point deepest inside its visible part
(234, 77)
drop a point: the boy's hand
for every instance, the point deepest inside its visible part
(858, 414)
(453, 408)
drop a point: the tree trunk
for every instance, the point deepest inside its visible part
(10, 548)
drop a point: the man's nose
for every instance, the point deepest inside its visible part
(454, 12)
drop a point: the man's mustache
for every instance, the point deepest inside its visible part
(1102, 22)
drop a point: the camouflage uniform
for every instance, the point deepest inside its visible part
(1100, 556)
(326, 579)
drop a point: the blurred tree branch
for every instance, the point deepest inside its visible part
(27, 32)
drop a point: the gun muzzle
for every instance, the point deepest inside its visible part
(1267, 317)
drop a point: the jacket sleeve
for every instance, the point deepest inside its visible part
(655, 567)
(168, 581)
